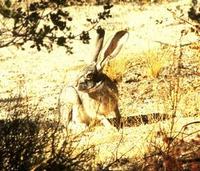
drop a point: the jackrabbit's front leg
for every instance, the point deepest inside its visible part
(117, 122)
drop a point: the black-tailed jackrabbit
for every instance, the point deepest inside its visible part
(95, 95)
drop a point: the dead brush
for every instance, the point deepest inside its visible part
(31, 141)
(177, 151)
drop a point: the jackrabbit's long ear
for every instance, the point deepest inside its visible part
(112, 48)
(99, 43)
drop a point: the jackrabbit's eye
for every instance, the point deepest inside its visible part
(89, 76)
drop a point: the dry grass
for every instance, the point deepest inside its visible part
(117, 68)
(156, 60)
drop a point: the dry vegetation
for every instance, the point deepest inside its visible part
(159, 86)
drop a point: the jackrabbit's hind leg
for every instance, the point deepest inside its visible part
(71, 120)
(79, 119)
(68, 99)
(65, 114)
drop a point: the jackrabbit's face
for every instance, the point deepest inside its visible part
(90, 80)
